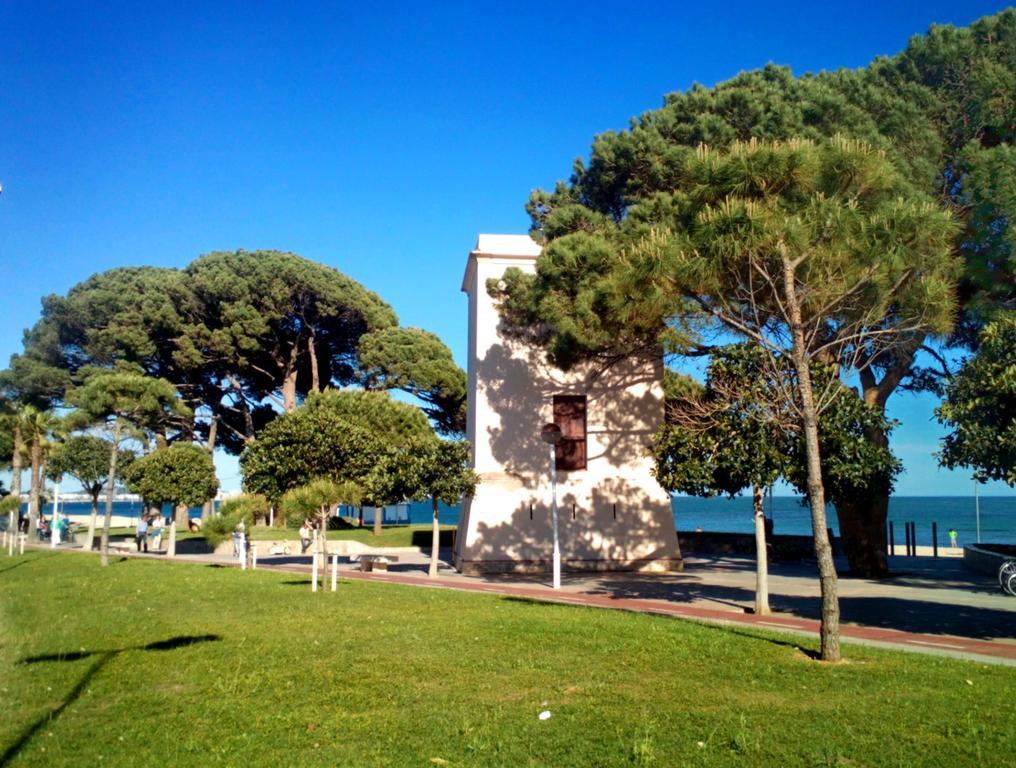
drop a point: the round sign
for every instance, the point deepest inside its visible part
(551, 433)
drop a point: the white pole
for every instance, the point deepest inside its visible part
(335, 571)
(242, 547)
(313, 572)
(977, 509)
(21, 540)
(271, 517)
(254, 557)
(54, 529)
(553, 517)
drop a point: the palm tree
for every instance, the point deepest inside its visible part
(13, 421)
(39, 427)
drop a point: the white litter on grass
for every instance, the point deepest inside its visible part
(700, 743)
(545, 714)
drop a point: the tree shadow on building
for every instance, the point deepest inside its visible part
(609, 530)
(519, 387)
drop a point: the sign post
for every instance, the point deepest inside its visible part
(551, 434)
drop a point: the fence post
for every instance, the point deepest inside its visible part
(313, 572)
(335, 571)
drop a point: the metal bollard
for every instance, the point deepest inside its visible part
(892, 539)
(335, 572)
(21, 541)
(253, 558)
(934, 539)
(313, 572)
(906, 528)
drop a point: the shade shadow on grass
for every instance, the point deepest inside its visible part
(102, 659)
(26, 561)
(810, 653)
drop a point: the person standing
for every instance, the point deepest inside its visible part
(157, 533)
(305, 539)
(141, 533)
(953, 536)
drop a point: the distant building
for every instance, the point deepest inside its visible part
(612, 513)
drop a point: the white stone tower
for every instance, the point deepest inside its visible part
(613, 514)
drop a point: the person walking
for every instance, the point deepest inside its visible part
(141, 533)
(953, 536)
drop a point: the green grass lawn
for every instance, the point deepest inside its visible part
(95, 673)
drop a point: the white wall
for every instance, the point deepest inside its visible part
(622, 519)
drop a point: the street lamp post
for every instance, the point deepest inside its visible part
(551, 434)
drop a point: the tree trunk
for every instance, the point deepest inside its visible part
(863, 515)
(248, 419)
(863, 512)
(289, 381)
(181, 515)
(761, 556)
(829, 630)
(110, 488)
(209, 506)
(863, 532)
(312, 352)
(323, 546)
(171, 547)
(435, 539)
(19, 446)
(93, 518)
(35, 492)
(377, 520)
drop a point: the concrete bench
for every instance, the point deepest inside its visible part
(370, 563)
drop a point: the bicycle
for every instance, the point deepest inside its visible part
(1007, 577)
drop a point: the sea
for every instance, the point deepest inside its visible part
(991, 519)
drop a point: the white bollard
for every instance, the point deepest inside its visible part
(335, 571)
(22, 538)
(253, 557)
(243, 554)
(313, 572)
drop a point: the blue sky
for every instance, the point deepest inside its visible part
(379, 139)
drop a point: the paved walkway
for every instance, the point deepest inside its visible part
(929, 605)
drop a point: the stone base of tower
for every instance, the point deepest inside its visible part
(506, 528)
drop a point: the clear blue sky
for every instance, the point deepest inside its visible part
(379, 139)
